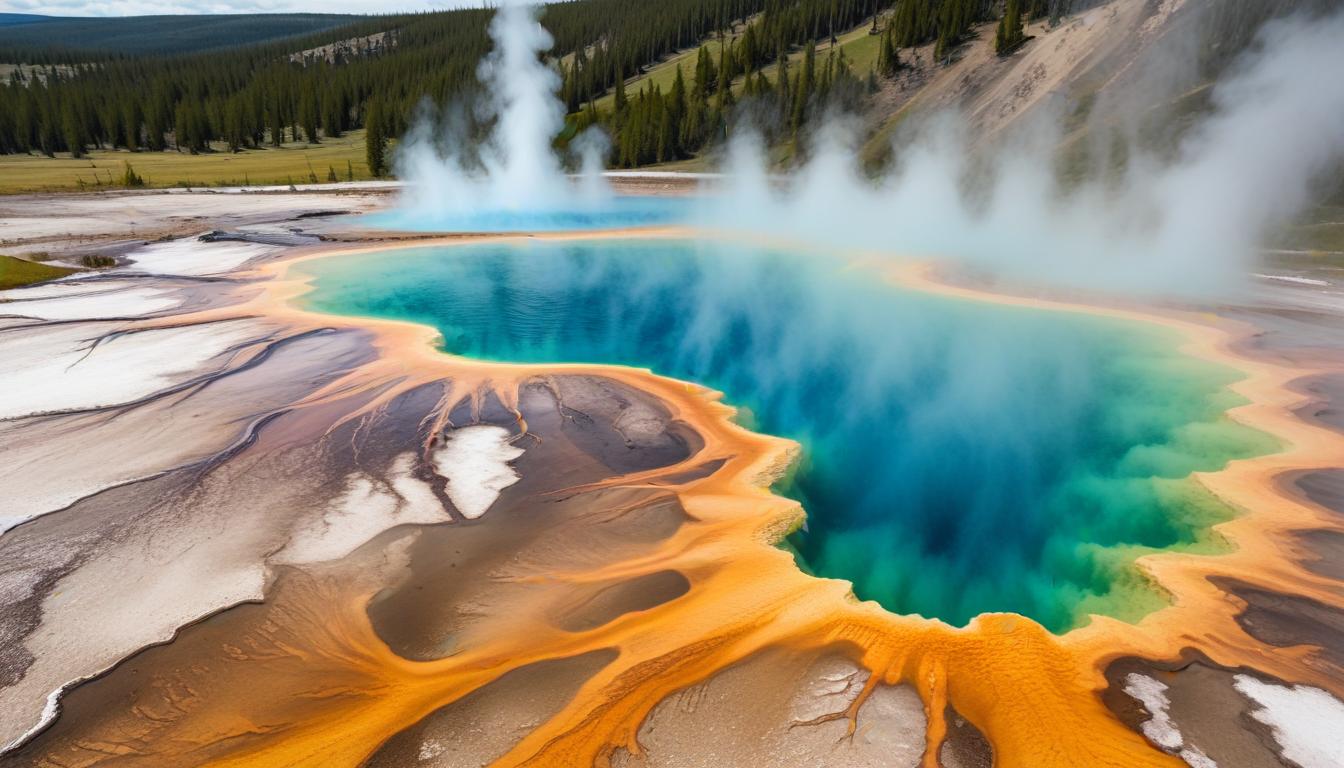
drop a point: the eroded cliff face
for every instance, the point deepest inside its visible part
(247, 534)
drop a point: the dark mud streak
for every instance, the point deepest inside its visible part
(527, 526)
(1289, 620)
(423, 468)
(965, 746)
(595, 429)
(607, 603)
(185, 480)
(481, 407)
(454, 567)
(1288, 330)
(1210, 713)
(1324, 548)
(521, 527)
(190, 386)
(78, 544)
(25, 617)
(1328, 548)
(267, 351)
(698, 472)
(249, 438)
(507, 708)
(14, 754)
(54, 545)
(1328, 389)
(1324, 488)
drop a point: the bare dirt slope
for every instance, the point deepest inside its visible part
(1105, 63)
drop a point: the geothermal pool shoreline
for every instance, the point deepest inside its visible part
(1271, 404)
(1268, 388)
(1252, 487)
(1000, 673)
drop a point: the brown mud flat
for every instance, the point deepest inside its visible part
(620, 603)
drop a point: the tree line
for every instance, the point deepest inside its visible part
(257, 95)
(655, 126)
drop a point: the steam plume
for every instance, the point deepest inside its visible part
(1190, 226)
(516, 169)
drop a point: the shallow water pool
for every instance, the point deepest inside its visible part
(615, 212)
(959, 457)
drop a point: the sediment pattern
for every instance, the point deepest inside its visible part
(249, 540)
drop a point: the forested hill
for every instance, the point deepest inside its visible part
(83, 37)
(665, 79)
(250, 96)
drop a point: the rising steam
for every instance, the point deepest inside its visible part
(1189, 226)
(515, 169)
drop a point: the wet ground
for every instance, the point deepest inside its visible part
(242, 550)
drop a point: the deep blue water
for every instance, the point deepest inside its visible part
(959, 457)
(619, 212)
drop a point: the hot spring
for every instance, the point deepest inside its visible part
(579, 214)
(959, 458)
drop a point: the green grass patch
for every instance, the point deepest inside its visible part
(294, 163)
(860, 50)
(17, 272)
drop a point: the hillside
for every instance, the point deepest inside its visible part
(14, 19)
(1100, 69)
(157, 34)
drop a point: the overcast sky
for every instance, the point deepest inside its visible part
(144, 7)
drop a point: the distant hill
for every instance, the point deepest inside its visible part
(12, 19)
(158, 34)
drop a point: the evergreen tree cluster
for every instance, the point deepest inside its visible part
(943, 22)
(256, 95)
(655, 126)
(262, 94)
(1010, 34)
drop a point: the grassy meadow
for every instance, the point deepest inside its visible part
(16, 272)
(295, 163)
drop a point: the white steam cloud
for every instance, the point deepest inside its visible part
(515, 169)
(1189, 226)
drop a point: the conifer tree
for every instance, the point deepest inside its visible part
(235, 132)
(888, 58)
(723, 99)
(277, 125)
(693, 127)
(72, 131)
(806, 83)
(583, 77)
(131, 122)
(333, 113)
(155, 128)
(308, 110)
(676, 111)
(569, 86)
(1010, 34)
(622, 100)
(375, 142)
(705, 75)
(182, 127)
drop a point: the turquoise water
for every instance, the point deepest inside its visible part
(619, 212)
(958, 457)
